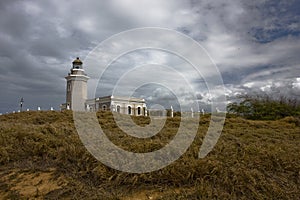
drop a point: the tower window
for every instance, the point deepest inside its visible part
(129, 110)
(69, 87)
(139, 110)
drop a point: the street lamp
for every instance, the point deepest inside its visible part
(21, 104)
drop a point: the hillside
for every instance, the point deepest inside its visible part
(42, 157)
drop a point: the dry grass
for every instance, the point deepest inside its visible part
(252, 160)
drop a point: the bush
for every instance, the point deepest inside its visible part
(264, 107)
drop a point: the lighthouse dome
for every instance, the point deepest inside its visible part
(77, 63)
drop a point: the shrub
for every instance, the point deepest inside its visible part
(264, 107)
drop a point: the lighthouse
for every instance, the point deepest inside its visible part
(76, 91)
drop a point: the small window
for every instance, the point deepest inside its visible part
(139, 110)
(118, 109)
(104, 107)
(129, 110)
(69, 87)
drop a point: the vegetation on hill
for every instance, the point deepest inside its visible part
(265, 107)
(42, 157)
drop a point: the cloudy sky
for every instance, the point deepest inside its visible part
(255, 44)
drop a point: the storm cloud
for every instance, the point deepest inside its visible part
(255, 45)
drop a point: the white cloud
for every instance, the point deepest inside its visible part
(296, 84)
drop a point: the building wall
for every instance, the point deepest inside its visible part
(79, 95)
(117, 104)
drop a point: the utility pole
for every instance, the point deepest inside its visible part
(21, 104)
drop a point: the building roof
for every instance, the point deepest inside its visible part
(116, 98)
(77, 61)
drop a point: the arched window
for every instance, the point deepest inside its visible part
(118, 109)
(139, 110)
(129, 110)
(104, 107)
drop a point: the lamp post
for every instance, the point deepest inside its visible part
(21, 104)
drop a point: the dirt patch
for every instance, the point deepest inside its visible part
(143, 195)
(31, 184)
(153, 194)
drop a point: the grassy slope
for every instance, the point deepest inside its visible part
(41, 156)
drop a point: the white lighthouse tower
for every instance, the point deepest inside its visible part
(76, 87)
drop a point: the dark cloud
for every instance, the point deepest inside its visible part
(254, 44)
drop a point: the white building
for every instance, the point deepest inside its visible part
(76, 96)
